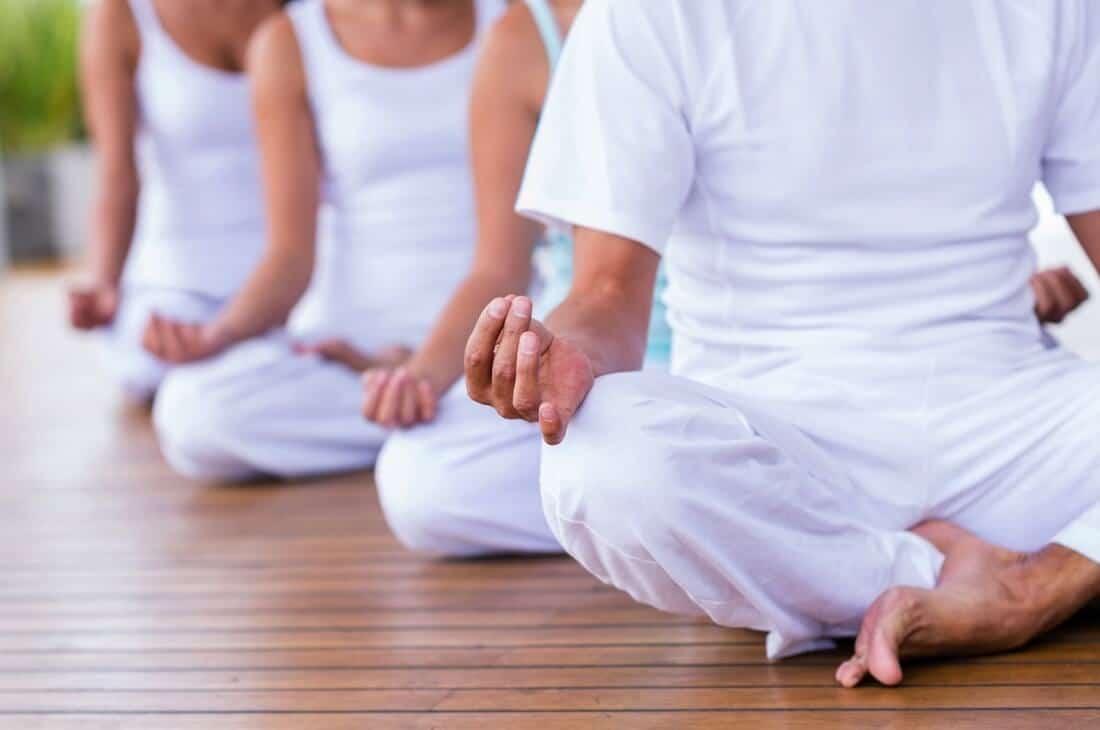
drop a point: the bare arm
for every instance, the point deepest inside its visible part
(503, 118)
(109, 53)
(291, 171)
(543, 373)
(1086, 227)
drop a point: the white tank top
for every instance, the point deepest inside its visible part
(200, 214)
(397, 226)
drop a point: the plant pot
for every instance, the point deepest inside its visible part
(3, 222)
(47, 198)
(28, 195)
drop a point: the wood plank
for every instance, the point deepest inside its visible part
(133, 598)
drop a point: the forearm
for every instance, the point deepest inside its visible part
(267, 298)
(1086, 228)
(113, 224)
(439, 359)
(604, 323)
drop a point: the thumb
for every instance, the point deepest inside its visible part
(552, 423)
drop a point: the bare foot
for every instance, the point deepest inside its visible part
(984, 603)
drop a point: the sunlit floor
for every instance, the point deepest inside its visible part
(130, 598)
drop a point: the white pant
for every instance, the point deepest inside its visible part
(465, 484)
(138, 372)
(781, 501)
(260, 409)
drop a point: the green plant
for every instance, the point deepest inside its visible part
(39, 95)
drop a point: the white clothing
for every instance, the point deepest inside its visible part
(200, 225)
(139, 373)
(262, 410)
(847, 188)
(397, 223)
(465, 484)
(396, 234)
(790, 516)
(806, 162)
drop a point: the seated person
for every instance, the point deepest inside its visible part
(178, 221)
(865, 431)
(456, 480)
(362, 124)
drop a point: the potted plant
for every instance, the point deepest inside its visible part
(39, 116)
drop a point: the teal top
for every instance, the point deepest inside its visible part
(556, 254)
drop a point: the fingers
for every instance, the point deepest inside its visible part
(1058, 292)
(410, 406)
(1075, 292)
(374, 387)
(526, 398)
(427, 401)
(172, 344)
(479, 350)
(551, 424)
(150, 339)
(505, 360)
(389, 411)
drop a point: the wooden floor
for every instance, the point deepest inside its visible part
(130, 598)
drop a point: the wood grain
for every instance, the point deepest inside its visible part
(131, 598)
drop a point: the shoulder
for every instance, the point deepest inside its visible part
(513, 62)
(274, 59)
(111, 32)
(274, 46)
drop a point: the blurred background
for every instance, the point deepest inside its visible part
(46, 175)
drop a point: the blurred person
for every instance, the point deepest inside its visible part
(178, 220)
(866, 432)
(455, 479)
(362, 115)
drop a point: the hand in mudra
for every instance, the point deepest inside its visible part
(517, 366)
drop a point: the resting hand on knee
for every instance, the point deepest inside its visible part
(517, 366)
(92, 306)
(181, 342)
(398, 398)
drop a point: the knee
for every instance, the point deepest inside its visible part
(416, 492)
(618, 469)
(138, 374)
(196, 432)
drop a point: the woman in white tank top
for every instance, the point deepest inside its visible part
(178, 220)
(362, 106)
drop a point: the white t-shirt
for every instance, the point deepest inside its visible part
(841, 174)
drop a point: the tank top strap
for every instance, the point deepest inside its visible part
(321, 54)
(146, 18)
(548, 28)
(487, 13)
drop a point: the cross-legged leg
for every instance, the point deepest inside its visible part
(466, 484)
(1021, 498)
(260, 409)
(694, 499)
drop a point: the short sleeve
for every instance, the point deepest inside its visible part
(1071, 159)
(613, 151)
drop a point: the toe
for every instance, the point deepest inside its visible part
(851, 673)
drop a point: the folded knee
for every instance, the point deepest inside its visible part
(417, 495)
(195, 433)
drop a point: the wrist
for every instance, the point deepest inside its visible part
(423, 369)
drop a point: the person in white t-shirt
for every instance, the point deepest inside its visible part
(865, 431)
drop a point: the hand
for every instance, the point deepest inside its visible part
(92, 306)
(1057, 293)
(398, 398)
(180, 342)
(517, 366)
(340, 351)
